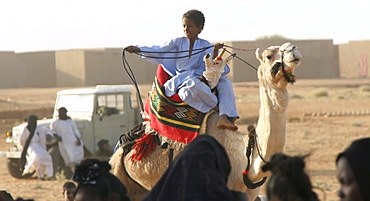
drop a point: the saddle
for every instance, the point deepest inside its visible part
(170, 117)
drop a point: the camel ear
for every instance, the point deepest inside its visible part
(207, 59)
(206, 56)
(258, 54)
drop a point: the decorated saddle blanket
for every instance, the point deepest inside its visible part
(170, 116)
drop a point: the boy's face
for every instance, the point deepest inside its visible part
(68, 194)
(190, 28)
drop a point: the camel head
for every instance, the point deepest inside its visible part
(215, 67)
(280, 61)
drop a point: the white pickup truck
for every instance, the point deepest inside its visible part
(101, 112)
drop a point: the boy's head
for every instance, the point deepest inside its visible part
(196, 17)
(69, 189)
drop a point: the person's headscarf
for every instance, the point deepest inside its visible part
(199, 173)
(358, 156)
(63, 113)
(32, 123)
(31, 127)
(93, 177)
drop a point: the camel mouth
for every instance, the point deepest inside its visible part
(295, 61)
(292, 60)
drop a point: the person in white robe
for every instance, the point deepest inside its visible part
(186, 68)
(69, 139)
(38, 158)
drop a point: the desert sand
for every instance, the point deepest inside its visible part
(323, 117)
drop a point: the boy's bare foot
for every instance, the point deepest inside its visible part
(225, 123)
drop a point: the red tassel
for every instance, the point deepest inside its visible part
(245, 172)
(143, 147)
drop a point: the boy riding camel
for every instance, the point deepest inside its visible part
(186, 69)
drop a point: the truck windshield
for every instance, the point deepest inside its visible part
(76, 103)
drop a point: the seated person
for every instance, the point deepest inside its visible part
(105, 151)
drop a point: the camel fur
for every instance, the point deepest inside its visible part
(275, 64)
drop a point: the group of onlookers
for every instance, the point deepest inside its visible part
(200, 173)
(64, 140)
(60, 148)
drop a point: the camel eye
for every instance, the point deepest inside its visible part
(269, 57)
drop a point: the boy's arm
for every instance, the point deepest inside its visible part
(215, 49)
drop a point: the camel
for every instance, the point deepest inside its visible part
(277, 64)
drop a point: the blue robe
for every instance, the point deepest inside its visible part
(186, 71)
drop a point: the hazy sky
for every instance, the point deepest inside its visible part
(34, 25)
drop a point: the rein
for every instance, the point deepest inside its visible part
(199, 50)
(242, 60)
(127, 67)
(131, 75)
(252, 143)
(129, 72)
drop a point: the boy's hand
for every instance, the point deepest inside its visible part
(218, 46)
(132, 49)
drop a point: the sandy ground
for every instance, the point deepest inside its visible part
(324, 116)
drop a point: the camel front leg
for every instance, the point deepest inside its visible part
(134, 191)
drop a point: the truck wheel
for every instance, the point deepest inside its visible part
(14, 169)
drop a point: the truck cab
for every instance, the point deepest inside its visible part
(101, 112)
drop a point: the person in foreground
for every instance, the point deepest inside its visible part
(5, 196)
(187, 69)
(198, 173)
(288, 180)
(96, 183)
(353, 171)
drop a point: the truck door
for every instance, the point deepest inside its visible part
(110, 119)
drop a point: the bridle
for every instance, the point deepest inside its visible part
(289, 77)
(252, 144)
